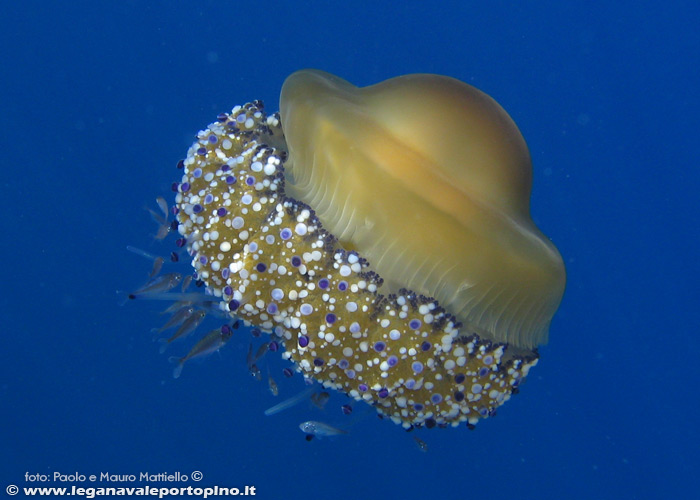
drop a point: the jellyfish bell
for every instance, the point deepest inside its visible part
(382, 236)
(429, 179)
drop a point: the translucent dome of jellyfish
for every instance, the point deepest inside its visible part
(383, 236)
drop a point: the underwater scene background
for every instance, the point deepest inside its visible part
(101, 100)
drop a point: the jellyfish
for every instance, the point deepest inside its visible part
(382, 236)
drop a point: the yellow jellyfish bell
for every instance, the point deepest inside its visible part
(383, 236)
(429, 179)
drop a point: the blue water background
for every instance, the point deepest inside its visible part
(99, 100)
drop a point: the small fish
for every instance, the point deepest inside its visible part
(272, 384)
(319, 429)
(190, 325)
(157, 266)
(211, 342)
(191, 297)
(163, 205)
(160, 284)
(176, 306)
(289, 402)
(181, 315)
(159, 219)
(422, 446)
(212, 308)
(255, 372)
(142, 253)
(162, 232)
(320, 399)
(249, 356)
(163, 224)
(252, 359)
(262, 350)
(186, 282)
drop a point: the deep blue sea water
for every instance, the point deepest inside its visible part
(98, 102)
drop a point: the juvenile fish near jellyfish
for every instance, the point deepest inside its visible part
(158, 284)
(320, 429)
(382, 235)
(210, 343)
